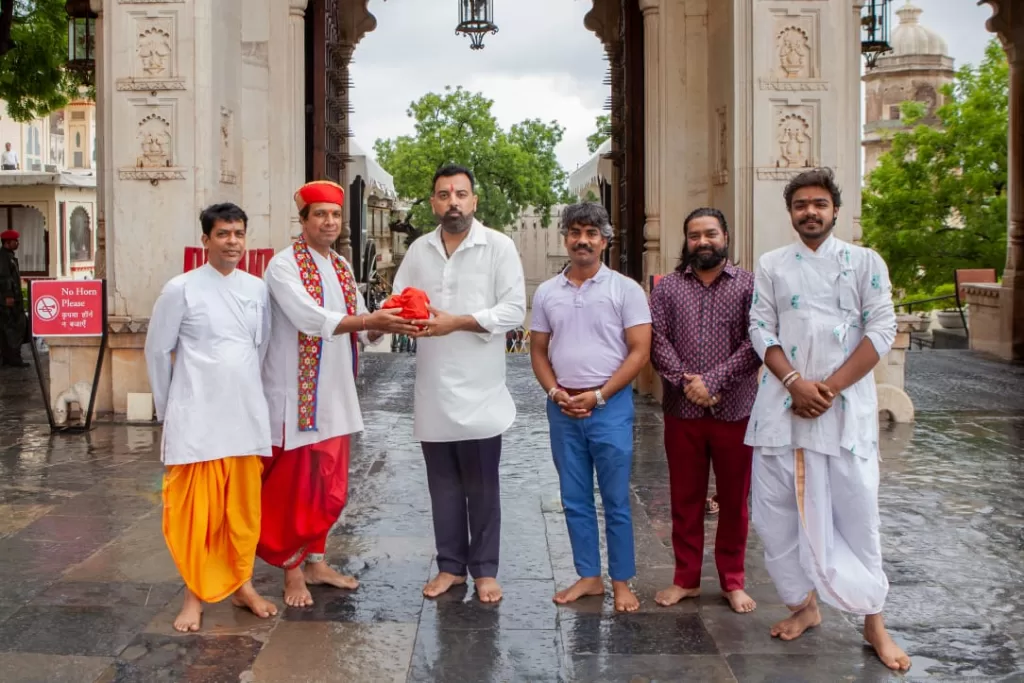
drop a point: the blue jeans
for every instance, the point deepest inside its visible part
(603, 441)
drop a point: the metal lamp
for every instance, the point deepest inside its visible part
(476, 19)
(81, 38)
(874, 29)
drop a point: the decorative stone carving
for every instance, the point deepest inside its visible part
(153, 48)
(132, 85)
(791, 86)
(794, 49)
(153, 175)
(123, 324)
(154, 137)
(151, 2)
(721, 173)
(795, 136)
(781, 174)
(227, 157)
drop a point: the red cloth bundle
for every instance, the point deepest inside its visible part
(413, 303)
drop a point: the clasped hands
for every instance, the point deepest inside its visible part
(578, 406)
(697, 392)
(811, 399)
(390, 320)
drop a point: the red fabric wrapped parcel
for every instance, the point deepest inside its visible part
(413, 303)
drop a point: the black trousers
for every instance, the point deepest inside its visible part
(465, 499)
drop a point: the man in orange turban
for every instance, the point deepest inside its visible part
(13, 321)
(317, 315)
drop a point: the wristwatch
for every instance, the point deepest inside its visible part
(600, 399)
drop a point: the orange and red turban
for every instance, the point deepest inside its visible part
(319, 191)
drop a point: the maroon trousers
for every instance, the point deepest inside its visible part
(692, 446)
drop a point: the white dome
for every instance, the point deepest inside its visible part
(911, 38)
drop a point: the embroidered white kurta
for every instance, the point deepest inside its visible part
(294, 310)
(211, 400)
(818, 306)
(460, 378)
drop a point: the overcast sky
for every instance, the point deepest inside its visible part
(541, 64)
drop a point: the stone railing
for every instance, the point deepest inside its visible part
(984, 316)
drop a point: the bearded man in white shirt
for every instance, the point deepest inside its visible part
(474, 279)
(821, 317)
(216, 322)
(309, 375)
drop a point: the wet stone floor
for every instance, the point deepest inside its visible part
(88, 590)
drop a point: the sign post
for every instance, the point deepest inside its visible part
(69, 308)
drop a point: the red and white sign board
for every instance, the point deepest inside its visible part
(67, 308)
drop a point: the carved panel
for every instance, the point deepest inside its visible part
(721, 173)
(796, 136)
(791, 85)
(155, 135)
(795, 47)
(154, 65)
(227, 147)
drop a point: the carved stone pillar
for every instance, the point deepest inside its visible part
(1007, 22)
(101, 80)
(296, 68)
(652, 133)
(1013, 275)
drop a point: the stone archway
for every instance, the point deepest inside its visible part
(30, 221)
(335, 27)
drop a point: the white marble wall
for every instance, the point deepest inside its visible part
(193, 115)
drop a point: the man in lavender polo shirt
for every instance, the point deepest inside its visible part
(589, 338)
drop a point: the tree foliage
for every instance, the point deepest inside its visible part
(603, 123)
(938, 199)
(513, 169)
(33, 54)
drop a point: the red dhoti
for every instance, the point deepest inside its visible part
(304, 492)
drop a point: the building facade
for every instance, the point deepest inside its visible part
(713, 103)
(915, 70)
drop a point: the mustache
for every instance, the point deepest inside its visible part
(583, 247)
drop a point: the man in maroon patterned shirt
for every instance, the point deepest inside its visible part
(701, 348)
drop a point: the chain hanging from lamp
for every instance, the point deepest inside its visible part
(874, 30)
(476, 19)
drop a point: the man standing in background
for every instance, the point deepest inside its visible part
(13, 320)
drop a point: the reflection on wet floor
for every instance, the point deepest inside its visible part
(88, 591)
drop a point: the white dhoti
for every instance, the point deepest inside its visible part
(818, 518)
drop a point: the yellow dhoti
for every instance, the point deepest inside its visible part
(212, 523)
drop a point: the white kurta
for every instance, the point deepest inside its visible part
(815, 481)
(294, 310)
(818, 306)
(211, 401)
(460, 378)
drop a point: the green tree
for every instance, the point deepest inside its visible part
(33, 53)
(937, 200)
(603, 123)
(513, 169)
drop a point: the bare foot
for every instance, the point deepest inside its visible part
(191, 614)
(625, 598)
(487, 589)
(321, 574)
(442, 583)
(891, 654)
(673, 594)
(794, 627)
(740, 601)
(246, 597)
(591, 585)
(296, 594)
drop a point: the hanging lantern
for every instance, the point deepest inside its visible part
(81, 38)
(874, 30)
(476, 19)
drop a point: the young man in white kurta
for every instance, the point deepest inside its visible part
(822, 316)
(215, 320)
(474, 279)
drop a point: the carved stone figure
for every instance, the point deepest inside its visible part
(794, 47)
(154, 143)
(154, 50)
(794, 142)
(80, 393)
